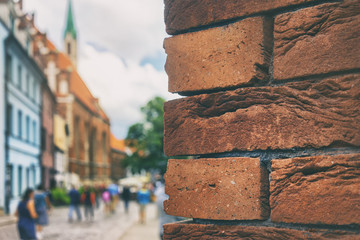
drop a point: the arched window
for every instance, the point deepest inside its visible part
(64, 88)
(104, 150)
(69, 48)
(77, 138)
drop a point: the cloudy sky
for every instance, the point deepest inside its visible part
(121, 57)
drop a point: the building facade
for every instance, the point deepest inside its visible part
(118, 153)
(3, 35)
(23, 106)
(60, 151)
(52, 130)
(47, 137)
(88, 135)
(22, 80)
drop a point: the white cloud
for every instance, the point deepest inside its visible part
(132, 29)
(123, 88)
(114, 36)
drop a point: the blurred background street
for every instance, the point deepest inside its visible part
(118, 226)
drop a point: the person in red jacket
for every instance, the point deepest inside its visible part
(88, 199)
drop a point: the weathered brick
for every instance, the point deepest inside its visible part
(181, 15)
(317, 40)
(316, 190)
(233, 55)
(222, 189)
(300, 114)
(188, 230)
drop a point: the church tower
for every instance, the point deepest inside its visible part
(70, 36)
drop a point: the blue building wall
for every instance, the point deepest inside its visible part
(3, 34)
(23, 107)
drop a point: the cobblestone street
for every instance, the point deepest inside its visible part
(114, 227)
(105, 228)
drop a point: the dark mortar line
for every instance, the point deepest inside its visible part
(315, 77)
(267, 155)
(268, 223)
(274, 83)
(272, 13)
(251, 84)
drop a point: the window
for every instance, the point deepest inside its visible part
(69, 48)
(104, 147)
(31, 91)
(27, 177)
(9, 119)
(19, 180)
(27, 84)
(27, 128)
(34, 132)
(8, 67)
(34, 90)
(20, 77)
(63, 88)
(34, 176)
(77, 138)
(20, 124)
(86, 142)
(9, 184)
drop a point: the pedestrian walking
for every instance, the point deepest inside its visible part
(88, 198)
(42, 205)
(26, 214)
(98, 194)
(75, 200)
(143, 197)
(114, 192)
(126, 195)
(106, 197)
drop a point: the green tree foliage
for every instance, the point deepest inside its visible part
(146, 139)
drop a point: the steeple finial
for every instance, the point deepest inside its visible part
(70, 27)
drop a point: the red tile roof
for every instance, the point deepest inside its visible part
(77, 85)
(117, 144)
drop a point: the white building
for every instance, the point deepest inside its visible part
(23, 110)
(3, 35)
(22, 103)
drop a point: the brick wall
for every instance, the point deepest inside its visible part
(270, 117)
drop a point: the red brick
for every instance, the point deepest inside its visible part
(228, 56)
(316, 190)
(317, 40)
(181, 15)
(301, 114)
(187, 230)
(222, 189)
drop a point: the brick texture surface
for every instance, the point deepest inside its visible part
(182, 15)
(233, 55)
(316, 190)
(183, 231)
(317, 40)
(222, 189)
(302, 114)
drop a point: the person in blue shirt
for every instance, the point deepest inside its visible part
(26, 214)
(75, 199)
(143, 198)
(42, 206)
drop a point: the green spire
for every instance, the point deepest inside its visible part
(70, 27)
